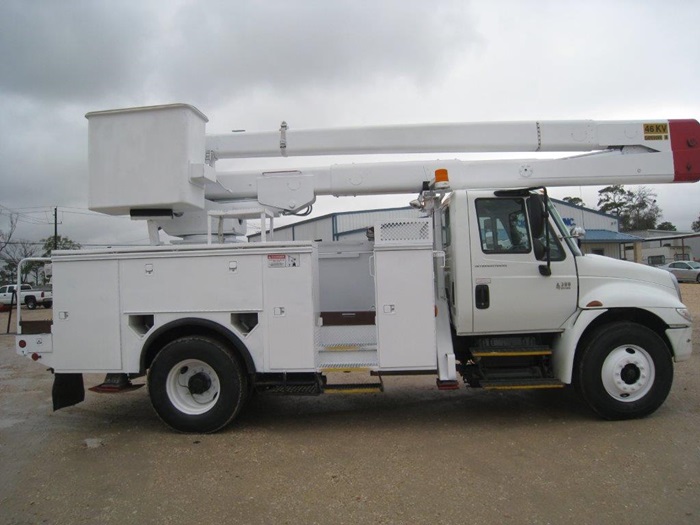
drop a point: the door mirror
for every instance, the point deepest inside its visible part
(577, 232)
(536, 214)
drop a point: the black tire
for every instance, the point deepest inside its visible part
(30, 302)
(201, 401)
(48, 304)
(624, 371)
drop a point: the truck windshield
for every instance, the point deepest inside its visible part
(563, 230)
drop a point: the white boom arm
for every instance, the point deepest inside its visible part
(159, 162)
(479, 137)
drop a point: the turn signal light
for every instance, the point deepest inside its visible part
(22, 343)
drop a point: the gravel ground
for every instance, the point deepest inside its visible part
(410, 455)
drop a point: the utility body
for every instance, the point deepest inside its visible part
(489, 287)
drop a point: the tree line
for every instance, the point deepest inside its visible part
(12, 252)
(636, 210)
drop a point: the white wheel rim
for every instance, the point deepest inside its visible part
(628, 373)
(192, 373)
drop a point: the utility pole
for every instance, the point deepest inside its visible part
(55, 228)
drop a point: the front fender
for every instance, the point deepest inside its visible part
(626, 294)
(564, 348)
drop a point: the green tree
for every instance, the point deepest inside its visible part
(666, 226)
(62, 243)
(636, 210)
(576, 201)
(643, 210)
(615, 200)
(696, 224)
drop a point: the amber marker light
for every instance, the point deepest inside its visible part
(442, 180)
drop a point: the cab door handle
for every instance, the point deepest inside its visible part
(482, 296)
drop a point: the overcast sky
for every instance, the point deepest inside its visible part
(251, 64)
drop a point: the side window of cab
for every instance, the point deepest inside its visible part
(503, 225)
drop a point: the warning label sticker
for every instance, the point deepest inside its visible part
(656, 131)
(280, 260)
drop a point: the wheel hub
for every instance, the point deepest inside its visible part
(193, 386)
(628, 373)
(199, 383)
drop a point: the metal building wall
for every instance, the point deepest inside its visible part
(353, 221)
(588, 219)
(311, 230)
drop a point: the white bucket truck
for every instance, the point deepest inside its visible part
(489, 287)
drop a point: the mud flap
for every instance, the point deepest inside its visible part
(68, 390)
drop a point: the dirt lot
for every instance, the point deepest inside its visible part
(410, 455)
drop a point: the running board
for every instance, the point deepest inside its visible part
(531, 351)
(354, 388)
(521, 384)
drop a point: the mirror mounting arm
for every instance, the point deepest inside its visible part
(546, 271)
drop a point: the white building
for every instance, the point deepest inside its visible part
(603, 236)
(663, 246)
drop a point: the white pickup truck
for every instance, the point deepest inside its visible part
(30, 297)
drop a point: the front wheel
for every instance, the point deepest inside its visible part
(196, 384)
(625, 371)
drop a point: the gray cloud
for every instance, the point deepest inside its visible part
(292, 46)
(72, 50)
(250, 64)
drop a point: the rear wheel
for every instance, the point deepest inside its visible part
(30, 302)
(196, 384)
(625, 371)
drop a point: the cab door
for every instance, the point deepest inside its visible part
(509, 292)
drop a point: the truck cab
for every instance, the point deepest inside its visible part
(527, 305)
(494, 264)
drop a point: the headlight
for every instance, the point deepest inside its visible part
(685, 313)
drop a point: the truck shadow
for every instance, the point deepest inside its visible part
(413, 407)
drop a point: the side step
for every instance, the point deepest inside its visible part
(310, 389)
(350, 379)
(506, 351)
(521, 384)
(354, 388)
(302, 384)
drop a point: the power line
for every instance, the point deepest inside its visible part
(21, 217)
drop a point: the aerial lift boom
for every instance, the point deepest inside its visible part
(173, 178)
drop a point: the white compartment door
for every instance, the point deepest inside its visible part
(290, 311)
(405, 309)
(86, 334)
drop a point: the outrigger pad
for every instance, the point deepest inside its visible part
(114, 384)
(68, 390)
